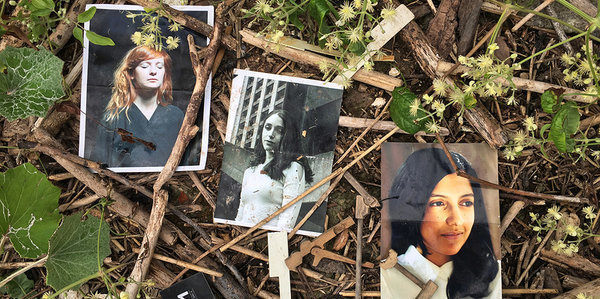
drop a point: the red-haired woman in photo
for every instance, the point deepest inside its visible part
(141, 105)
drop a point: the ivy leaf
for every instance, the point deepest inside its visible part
(75, 250)
(31, 82)
(28, 209)
(403, 98)
(564, 124)
(78, 34)
(549, 101)
(18, 287)
(295, 20)
(98, 39)
(86, 15)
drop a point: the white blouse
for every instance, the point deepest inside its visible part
(261, 196)
(395, 285)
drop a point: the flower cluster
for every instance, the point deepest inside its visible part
(581, 72)
(572, 234)
(150, 33)
(344, 31)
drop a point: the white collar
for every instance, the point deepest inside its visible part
(421, 267)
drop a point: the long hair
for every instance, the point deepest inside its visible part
(124, 89)
(286, 153)
(475, 265)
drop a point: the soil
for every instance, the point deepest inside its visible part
(553, 173)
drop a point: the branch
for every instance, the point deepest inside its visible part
(186, 133)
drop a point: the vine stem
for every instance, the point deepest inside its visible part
(38, 263)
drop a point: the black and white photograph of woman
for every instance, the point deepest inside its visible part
(439, 226)
(134, 94)
(281, 134)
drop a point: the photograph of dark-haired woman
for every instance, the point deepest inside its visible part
(443, 227)
(281, 134)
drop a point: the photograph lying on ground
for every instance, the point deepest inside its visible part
(281, 134)
(439, 230)
(134, 95)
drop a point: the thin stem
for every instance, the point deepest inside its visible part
(23, 270)
(498, 25)
(552, 47)
(588, 53)
(576, 10)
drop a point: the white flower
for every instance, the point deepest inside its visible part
(509, 154)
(388, 12)
(136, 38)
(433, 127)
(346, 12)
(492, 48)
(439, 86)
(355, 35)
(428, 99)
(414, 107)
(172, 42)
(439, 108)
(553, 211)
(529, 123)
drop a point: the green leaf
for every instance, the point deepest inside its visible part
(295, 20)
(356, 48)
(317, 9)
(98, 39)
(43, 4)
(403, 98)
(78, 34)
(549, 101)
(86, 15)
(564, 124)
(470, 101)
(75, 250)
(18, 287)
(41, 12)
(28, 209)
(31, 83)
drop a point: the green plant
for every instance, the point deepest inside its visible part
(40, 17)
(346, 29)
(567, 225)
(29, 216)
(150, 33)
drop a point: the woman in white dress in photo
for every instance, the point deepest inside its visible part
(278, 173)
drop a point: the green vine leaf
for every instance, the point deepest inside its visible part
(75, 250)
(400, 108)
(98, 39)
(564, 124)
(78, 34)
(18, 287)
(86, 15)
(549, 101)
(28, 209)
(30, 83)
(318, 9)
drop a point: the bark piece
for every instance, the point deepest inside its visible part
(590, 289)
(468, 18)
(441, 31)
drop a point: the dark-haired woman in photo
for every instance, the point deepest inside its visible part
(141, 105)
(440, 230)
(278, 173)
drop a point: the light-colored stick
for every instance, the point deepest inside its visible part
(311, 189)
(23, 270)
(373, 78)
(530, 15)
(380, 125)
(183, 264)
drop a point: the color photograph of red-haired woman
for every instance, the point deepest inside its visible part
(134, 94)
